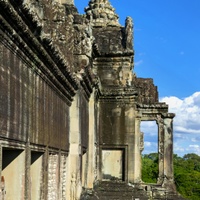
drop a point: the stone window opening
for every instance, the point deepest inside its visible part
(149, 151)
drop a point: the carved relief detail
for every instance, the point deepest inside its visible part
(129, 33)
(101, 13)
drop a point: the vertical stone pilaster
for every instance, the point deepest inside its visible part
(27, 173)
(91, 153)
(97, 152)
(1, 181)
(137, 152)
(75, 152)
(44, 191)
(130, 131)
(160, 123)
(168, 151)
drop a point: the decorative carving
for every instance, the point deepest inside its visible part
(83, 41)
(129, 33)
(2, 189)
(59, 47)
(73, 186)
(101, 13)
(160, 121)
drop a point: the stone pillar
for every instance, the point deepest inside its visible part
(75, 152)
(160, 123)
(44, 191)
(130, 129)
(137, 151)
(168, 151)
(2, 181)
(27, 173)
(91, 153)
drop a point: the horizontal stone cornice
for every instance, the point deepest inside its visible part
(31, 60)
(123, 57)
(153, 106)
(50, 64)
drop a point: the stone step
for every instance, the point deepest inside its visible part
(123, 191)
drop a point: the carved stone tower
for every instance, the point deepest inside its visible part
(125, 101)
(71, 106)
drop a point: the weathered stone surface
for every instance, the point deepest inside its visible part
(71, 105)
(101, 13)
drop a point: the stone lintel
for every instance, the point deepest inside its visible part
(154, 106)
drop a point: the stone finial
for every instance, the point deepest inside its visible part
(101, 13)
(129, 33)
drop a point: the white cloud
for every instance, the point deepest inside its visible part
(178, 148)
(194, 149)
(149, 127)
(139, 62)
(137, 29)
(147, 144)
(141, 54)
(196, 139)
(187, 112)
(186, 123)
(149, 147)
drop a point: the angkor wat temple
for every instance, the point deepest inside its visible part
(71, 106)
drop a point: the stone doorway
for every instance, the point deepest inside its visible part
(113, 165)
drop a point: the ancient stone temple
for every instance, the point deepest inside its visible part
(71, 106)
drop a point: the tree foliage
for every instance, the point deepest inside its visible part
(186, 173)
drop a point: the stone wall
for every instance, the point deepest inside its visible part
(39, 79)
(30, 106)
(70, 101)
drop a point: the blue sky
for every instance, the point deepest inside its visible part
(167, 49)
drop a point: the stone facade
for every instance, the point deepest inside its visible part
(70, 102)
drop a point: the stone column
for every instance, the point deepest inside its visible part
(91, 153)
(44, 191)
(75, 152)
(137, 151)
(2, 181)
(168, 151)
(130, 129)
(160, 123)
(27, 172)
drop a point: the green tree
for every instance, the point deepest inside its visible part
(150, 168)
(186, 173)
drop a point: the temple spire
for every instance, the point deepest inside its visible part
(101, 13)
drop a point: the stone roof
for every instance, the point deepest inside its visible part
(101, 13)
